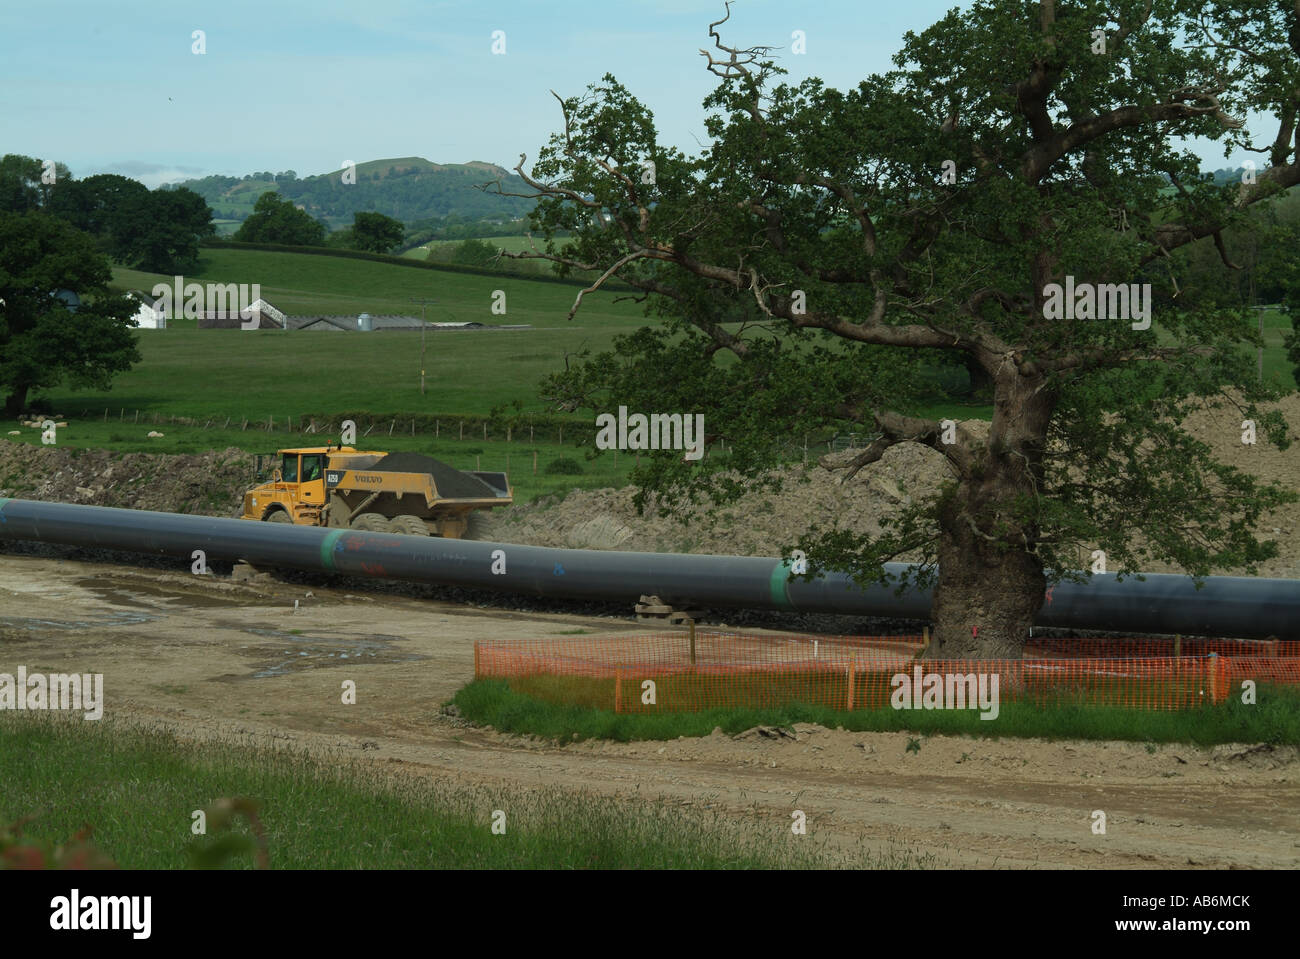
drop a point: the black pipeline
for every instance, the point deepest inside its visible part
(1242, 607)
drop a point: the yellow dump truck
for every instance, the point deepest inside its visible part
(338, 486)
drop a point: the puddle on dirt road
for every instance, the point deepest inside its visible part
(311, 652)
(28, 623)
(152, 597)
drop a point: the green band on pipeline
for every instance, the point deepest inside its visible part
(779, 583)
(327, 548)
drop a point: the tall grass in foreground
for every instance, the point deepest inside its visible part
(137, 788)
(1274, 719)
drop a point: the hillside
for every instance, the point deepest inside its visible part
(406, 188)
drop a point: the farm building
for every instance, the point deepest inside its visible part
(345, 323)
(148, 316)
(267, 316)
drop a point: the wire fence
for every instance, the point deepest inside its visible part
(681, 673)
(531, 429)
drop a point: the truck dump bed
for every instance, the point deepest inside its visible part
(407, 473)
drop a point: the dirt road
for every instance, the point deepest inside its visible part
(211, 658)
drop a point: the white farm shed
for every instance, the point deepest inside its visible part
(148, 316)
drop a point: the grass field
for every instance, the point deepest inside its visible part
(256, 374)
(259, 374)
(507, 707)
(307, 284)
(138, 790)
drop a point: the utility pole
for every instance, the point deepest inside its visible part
(423, 329)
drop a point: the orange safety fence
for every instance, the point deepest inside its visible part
(668, 672)
(1146, 647)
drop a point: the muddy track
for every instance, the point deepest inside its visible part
(208, 658)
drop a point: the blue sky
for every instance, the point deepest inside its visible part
(115, 87)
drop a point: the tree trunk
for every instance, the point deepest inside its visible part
(991, 585)
(986, 598)
(16, 401)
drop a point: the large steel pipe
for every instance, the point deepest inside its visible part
(1226, 606)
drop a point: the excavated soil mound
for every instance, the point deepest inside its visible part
(760, 523)
(210, 484)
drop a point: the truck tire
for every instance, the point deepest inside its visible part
(278, 516)
(370, 523)
(409, 526)
(480, 526)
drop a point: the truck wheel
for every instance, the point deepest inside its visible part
(370, 523)
(480, 526)
(278, 516)
(409, 526)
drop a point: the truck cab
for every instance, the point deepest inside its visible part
(295, 492)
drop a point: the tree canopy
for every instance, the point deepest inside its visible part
(276, 220)
(158, 231)
(42, 342)
(811, 262)
(375, 232)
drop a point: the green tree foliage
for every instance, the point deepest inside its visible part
(376, 233)
(456, 227)
(341, 239)
(21, 183)
(157, 231)
(276, 220)
(1257, 262)
(929, 210)
(42, 342)
(473, 253)
(409, 191)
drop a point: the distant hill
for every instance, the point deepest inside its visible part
(408, 189)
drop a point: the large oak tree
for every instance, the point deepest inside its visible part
(812, 261)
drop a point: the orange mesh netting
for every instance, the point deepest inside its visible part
(737, 671)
